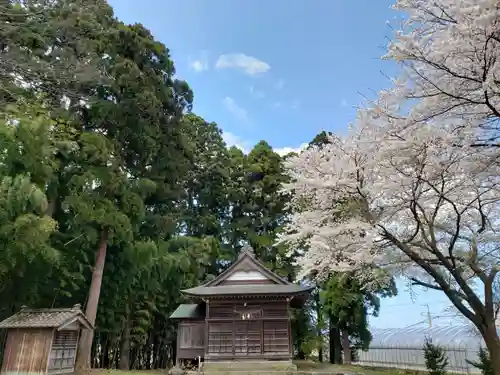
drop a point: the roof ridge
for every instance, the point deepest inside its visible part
(245, 253)
(47, 309)
(45, 317)
(262, 264)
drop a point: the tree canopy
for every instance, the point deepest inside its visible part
(114, 194)
(421, 163)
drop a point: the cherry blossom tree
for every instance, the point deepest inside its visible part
(419, 168)
(424, 206)
(449, 52)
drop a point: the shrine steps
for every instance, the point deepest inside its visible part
(249, 368)
(260, 368)
(249, 365)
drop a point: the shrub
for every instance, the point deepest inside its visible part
(483, 363)
(435, 358)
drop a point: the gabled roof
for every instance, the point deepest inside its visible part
(246, 261)
(189, 311)
(46, 318)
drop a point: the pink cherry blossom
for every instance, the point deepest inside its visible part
(413, 189)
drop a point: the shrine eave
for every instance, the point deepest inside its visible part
(268, 290)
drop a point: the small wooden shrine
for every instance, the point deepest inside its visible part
(242, 314)
(42, 341)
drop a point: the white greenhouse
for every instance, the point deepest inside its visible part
(403, 347)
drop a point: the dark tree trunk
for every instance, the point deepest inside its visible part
(51, 208)
(301, 354)
(134, 354)
(53, 197)
(331, 340)
(346, 347)
(156, 350)
(174, 351)
(149, 352)
(334, 340)
(319, 326)
(490, 336)
(116, 357)
(85, 344)
(105, 363)
(338, 347)
(125, 344)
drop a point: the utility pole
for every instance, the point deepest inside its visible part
(429, 317)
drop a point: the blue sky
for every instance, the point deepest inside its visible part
(282, 71)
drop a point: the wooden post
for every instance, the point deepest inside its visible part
(234, 329)
(207, 335)
(261, 335)
(177, 346)
(290, 351)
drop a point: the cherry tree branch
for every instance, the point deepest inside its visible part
(415, 281)
(442, 283)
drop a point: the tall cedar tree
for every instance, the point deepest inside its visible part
(107, 181)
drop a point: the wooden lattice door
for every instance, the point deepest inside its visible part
(247, 337)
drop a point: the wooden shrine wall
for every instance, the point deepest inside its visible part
(191, 339)
(256, 329)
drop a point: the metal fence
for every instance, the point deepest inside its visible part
(402, 348)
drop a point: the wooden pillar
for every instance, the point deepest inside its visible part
(207, 335)
(290, 346)
(234, 330)
(261, 335)
(177, 345)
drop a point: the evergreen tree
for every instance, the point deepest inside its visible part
(53, 47)
(483, 362)
(435, 358)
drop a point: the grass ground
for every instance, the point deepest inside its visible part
(303, 367)
(131, 372)
(308, 366)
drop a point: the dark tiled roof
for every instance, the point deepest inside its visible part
(188, 311)
(44, 318)
(265, 289)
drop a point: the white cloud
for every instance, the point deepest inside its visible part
(198, 65)
(246, 146)
(280, 84)
(255, 92)
(248, 64)
(239, 112)
(344, 103)
(234, 140)
(286, 150)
